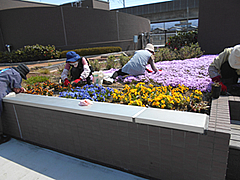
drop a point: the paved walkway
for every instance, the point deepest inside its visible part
(23, 161)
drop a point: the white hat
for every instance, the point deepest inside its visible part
(234, 57)
(149, 47)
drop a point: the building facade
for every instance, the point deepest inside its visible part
(69, 26)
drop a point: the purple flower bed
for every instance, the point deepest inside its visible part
(192, 73)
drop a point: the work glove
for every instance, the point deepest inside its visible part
(218, 79)
(77, 82)
(223, 88)
(66, 82)
(149, 71)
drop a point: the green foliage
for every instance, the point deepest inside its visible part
(35, 79)
(30, 53)
(182, 39)
(95, 65)
(123, 59)
(164, 54)
(186, 52)
(93, 51)
(111, 63)
(44, 71)
(191, 51)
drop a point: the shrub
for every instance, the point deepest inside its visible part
(5, 57)
(123, 60)
(164, 54)
(44, 71)
(182, 39)
(93, 51)
(186, 52)
(95, 65)
(111, 63)
(30, 53)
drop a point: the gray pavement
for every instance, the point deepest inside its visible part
(23, 161)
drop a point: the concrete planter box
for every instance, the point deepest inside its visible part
(152, 143)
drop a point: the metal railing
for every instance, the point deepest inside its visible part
(159, 40)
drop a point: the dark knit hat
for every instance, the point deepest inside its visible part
(23, 70)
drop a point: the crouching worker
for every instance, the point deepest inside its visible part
(137, 64)
(225, 68)
(79, 69)
(10, 81)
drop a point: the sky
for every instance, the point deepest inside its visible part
(114, 4)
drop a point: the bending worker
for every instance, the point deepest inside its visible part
(10, 81)
(137, 64)
(226, 67)
(79, 69)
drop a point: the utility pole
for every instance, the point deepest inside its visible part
(124, 4)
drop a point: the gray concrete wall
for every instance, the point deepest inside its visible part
(69, 27)
(233, 172)
(218, 27)
(147, 150)
(9, 4)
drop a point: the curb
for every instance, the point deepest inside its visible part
(32, 62)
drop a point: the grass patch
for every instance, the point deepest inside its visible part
(32, 80)
(44, 71)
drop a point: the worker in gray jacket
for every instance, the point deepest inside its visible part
(10, 81)
(225, 68)
(137, 64)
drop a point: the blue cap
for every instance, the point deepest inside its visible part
(72, 56)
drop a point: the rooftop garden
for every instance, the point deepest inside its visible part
(182, 84)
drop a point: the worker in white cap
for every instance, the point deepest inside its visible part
(225, 68)
(137, 64)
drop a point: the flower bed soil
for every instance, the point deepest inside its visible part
(158, 79)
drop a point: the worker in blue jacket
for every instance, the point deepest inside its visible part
(10, 81)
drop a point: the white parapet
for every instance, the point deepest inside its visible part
(187, 121)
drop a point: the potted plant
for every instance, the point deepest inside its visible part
(216, 89)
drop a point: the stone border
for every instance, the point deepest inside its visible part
(149, 150)
(150, 116)
(224, 112)
(220, 117)
(32, 62)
